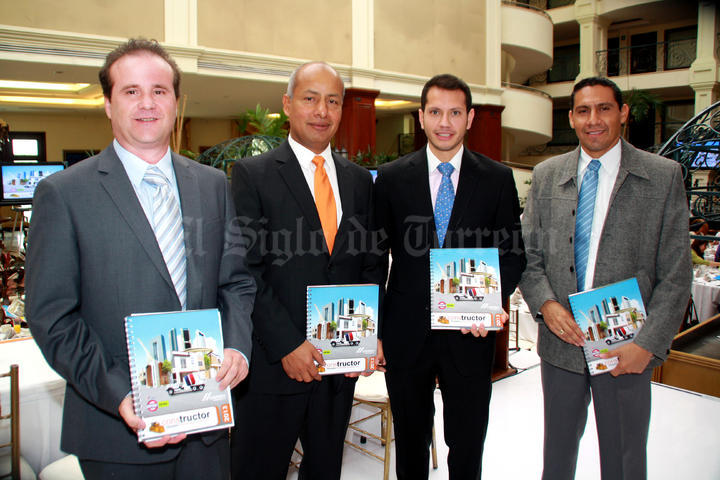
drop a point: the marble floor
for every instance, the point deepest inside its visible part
(684, 434)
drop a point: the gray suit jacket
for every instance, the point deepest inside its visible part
(645, 236)
(93, 259)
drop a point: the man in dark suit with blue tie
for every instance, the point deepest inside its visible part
(306, 212)
(441, 196)
(134, 229)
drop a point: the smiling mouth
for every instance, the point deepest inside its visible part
(444, 135)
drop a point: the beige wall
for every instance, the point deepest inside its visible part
(428, 37)
(206, 132)
(317, 30)
(90, 131)
(100, 17)
(387, 130)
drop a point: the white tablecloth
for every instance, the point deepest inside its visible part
(42, 393)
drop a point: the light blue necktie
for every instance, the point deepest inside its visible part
(168, 228)
(444, 202)
(584, 220)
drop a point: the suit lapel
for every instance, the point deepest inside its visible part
(117, 184)
(192, 219)
(292, 175)
(347, 199)
(470, 176)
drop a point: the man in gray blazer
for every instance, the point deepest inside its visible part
(94, 257)
(637, 226)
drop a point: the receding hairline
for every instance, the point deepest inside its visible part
(292, 82)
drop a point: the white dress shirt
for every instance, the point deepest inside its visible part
(135, 168)
(305, 159)
(607, 174)
(435, 176)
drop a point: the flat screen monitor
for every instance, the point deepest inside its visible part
(28, 146)
(20, 179)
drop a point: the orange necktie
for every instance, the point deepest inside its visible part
(325, 202)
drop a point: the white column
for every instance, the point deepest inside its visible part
(704, 70)
(363, 43)
(593, 36)
(181, 23)
(493, 43)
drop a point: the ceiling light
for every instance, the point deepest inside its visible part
(80, 102)
(59, 87)
(391, 103)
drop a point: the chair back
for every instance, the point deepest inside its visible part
(14, 417)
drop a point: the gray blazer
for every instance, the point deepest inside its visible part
(93, 259)
(645, 236)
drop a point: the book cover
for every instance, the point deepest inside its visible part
(609, 316)
(174, 359)
(342, 324)
(465, 288)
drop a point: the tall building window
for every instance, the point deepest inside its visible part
(680, 47)
(566, 64)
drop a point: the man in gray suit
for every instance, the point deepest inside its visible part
(94, 258)
(637, 226)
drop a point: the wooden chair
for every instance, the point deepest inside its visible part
(372, 392)
(12, 465)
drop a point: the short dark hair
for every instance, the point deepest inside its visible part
(593, 81)
(137, 45)
(446, 81)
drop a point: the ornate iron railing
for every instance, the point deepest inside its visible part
(653, 57)
(696, 146)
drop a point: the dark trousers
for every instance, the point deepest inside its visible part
(622, 414)
(269, 425)
(195, 460)
(466, 400)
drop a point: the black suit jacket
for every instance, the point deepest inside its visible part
(485, 214)
(93, 259)
(287, 252)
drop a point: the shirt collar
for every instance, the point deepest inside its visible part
(433, 161)
(305, 155)
(610, 161)
(136, 167)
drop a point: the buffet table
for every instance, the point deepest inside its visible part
(42, 393)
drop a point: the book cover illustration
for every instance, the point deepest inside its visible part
(609, 316)
(465, 288)
(174, 359)
(342, 324)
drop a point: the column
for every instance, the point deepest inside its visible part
(485, 134)
(593, 37)
(357, 128)
(704, 70)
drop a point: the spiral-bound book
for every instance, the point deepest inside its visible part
(174, 359)
(609, 316)
(342, 323)
(465, 288)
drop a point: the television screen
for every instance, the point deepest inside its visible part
(19, 180)
(28, 147)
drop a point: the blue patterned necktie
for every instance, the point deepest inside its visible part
(168, 228)
(444, 202)
(584, 220)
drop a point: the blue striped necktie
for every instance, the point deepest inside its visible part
(584, 220)
(168, 228)
(444, 202)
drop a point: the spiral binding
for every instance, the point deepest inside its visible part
(308, 306)
(133, 370)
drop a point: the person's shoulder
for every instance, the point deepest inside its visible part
(485, 162)
(260, 163)
(402, 162)
(650, 160)
(556, 163)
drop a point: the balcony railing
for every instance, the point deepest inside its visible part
(653, 57)
(535, 5)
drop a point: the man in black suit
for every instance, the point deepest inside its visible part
(299, 236)
(94, 258)
(485, 213)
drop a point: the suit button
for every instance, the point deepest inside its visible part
(573, 212)
(570, 239)
(572, 269)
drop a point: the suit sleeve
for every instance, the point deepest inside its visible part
(271, 320)
(53, 299)
(236, 286)
(673, 274)
(534, 284)
(510, 248)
